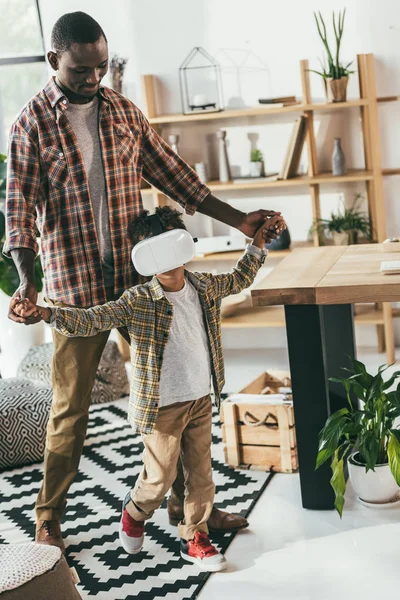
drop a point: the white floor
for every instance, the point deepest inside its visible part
(289, 553)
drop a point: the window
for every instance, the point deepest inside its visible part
(23, 70)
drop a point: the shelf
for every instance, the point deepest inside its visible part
(241, 113)
(322, 178)
(274, 316)
(351, 176)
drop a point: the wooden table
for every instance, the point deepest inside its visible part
(318, 287)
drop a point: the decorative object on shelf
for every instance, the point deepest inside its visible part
(117, 68)
(285, 100)
(344, 226)
(292, 160)
(201, 171)
(281, 243)
(224, 168)
(200, 83)
(366, 437)
(338, 159)
(173, 141)
(335, 75)
(256, 163)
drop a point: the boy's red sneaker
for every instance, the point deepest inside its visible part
(201, 552)
(131, 532)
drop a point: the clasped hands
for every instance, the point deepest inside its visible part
(25, 309)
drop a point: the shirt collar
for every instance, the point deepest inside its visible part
(157, 291)
(56, 95)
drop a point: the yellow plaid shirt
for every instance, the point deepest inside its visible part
(147, 314)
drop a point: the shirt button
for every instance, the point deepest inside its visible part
(64, 102)
(61, 155)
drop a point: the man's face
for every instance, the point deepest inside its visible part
(82, 67)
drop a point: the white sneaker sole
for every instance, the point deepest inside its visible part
(127, 544)
(213, 568)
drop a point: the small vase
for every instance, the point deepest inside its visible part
(173, 141)
(336, 89)
(201, 171)
(224, 169)
(353, 236)
(117, 82)
(338, 160)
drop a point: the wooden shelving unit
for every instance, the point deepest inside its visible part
(380, 315)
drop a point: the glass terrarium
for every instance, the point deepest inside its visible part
(200, 83)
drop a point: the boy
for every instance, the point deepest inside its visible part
(174, 325)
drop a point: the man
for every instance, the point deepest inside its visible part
(77, 154)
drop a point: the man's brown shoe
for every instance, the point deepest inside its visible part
(49, 532)
(218, 521)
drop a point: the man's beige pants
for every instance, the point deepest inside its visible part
(75, 363)
(183, 430)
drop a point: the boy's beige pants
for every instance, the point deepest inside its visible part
(183, 430)
(75, 363)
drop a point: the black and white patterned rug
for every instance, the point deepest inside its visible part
(109, 467)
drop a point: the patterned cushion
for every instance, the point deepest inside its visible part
(111, 381)
(24, 410)
(35, 572)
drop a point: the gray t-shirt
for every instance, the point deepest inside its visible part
(84, 120)
(186, 367)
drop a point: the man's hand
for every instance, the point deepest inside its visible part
(25, 291)
(253, 221)
(271, 226)
(25, 309)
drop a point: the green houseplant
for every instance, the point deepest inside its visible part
(9, 279)
(365, 433)
(256, 163)
(334, 74)
(345, 225)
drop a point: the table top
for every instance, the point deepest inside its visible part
(330, 275)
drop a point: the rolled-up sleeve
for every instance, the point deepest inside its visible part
(23, 182)
(166, 171)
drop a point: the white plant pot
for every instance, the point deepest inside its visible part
(16, 339)
(377, 486)
(255, 169)
(340, 238)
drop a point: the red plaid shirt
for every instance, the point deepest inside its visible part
(47, 190)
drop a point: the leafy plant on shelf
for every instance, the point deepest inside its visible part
(348, 220)
(334, 68)
(9, 278)
(368, 430)
(256, 155)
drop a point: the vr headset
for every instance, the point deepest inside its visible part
(163, 251)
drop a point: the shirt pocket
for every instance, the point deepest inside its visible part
(127, 141)
(56, 167)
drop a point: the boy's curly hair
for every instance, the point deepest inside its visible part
(139, 229)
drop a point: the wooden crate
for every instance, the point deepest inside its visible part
(260, 436)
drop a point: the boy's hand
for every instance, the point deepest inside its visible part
(269, 230)
(25, 309)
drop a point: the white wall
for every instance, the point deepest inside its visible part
(156, 36)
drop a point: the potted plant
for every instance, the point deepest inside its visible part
(15, 340)
(335, 75)
(364, 435)
(256, 163)
(344, 226)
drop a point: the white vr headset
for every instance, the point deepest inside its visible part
(163, 251)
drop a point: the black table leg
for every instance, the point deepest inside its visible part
(320, 342)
